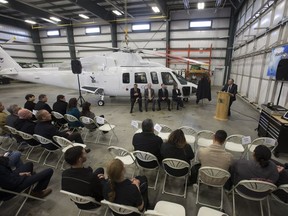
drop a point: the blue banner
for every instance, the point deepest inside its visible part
(277, 54)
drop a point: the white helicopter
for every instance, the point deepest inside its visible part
(112, 75)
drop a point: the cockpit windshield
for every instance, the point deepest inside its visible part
(181, 79)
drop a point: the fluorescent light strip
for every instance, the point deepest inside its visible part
(55, 19)
(201, 5)
(3, 1)
(155, 9)
(117, 12)
(30, 22)
(83, 16)
(140, 27)
(48, 20)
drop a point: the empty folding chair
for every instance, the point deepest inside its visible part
(234, 144)
(165, 132)
(258, 191)
(172, 165)
(105, 128)
(60, 120)
(204, 138)
(190, 135)
(76, 198)
(282, 190)
(213, 177)
(89, 125)
(205, 211)
(267, 141)
(120, 209)
(148, 161)
(164, 208)
(71, 119)
(11, 194)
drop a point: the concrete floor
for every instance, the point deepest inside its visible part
(244, 120)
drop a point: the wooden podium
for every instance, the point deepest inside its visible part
(222, 106)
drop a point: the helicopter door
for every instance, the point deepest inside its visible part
(141, 79)
(154, 78)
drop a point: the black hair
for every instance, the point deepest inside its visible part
(73, 154)
(147, 125)
(60, 97)
(220, 136)
(41, 97)
(28, 96)
(262, 155)
(72, 103)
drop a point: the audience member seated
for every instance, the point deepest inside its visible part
(81, 180)
(176, 96)
(30, 104)
(120, 190)
(14, 159)
(260, 168)
(283, 179)
(163, 95)
(42, 103)
(11, 119)
(177, 147)
(87, 113)
(147, 141)
(135, 97)
(23, 177)
(74, 111)
(210, 156)
(3, 116)
(60, 105)
(46, 129)
(149, 96)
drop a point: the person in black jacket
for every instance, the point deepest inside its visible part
(42, 103)
(176, 96)
(231, 88)
(135, 96)
(60, 105)
(30, 104)
(163, 95)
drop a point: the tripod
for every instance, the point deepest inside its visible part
(80, 98)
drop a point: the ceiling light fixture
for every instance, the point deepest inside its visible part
(83, 16)
(3, 1)
(48, 20)
(155, 9)
(30, 22)
(117, 12)
(201, 5)
(55, 19)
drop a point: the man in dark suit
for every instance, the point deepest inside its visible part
(230, 88)
(163, 95)
(42, 103)
(149, 96)
(60, 105)
(135, 96)
(30, 104)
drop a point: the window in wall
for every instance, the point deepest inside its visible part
(126, 78)
(201, 24)
(141, 27)
(92, 30)
(53, 33)
(140, 77)
(154, 78)
(167, 78)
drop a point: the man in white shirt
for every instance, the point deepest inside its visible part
(149, 96)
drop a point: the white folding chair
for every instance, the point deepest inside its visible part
(164, 208)
(13, 134)
(175, 165)
(233, 144)
(58, 116)
(283, 188)
(165, 132)
(76, 198)
(205, 211)
(266, 141)
(105, 127)
(261, 189)
(137, 125)
(44, 142)
(29, 138)
(146, 159)
(214, 177)
(120, 209)
(89, 125)
(190, 135)
(71, 119)
(21, 194)
(204, 139)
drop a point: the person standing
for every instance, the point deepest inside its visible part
(135, 96)
(230, 88)
(149, 96)
(163, 95)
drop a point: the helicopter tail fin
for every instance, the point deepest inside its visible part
(8, 66)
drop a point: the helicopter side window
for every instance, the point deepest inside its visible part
(126, 78)
(140, 77)
(154, 78)
(167, 78)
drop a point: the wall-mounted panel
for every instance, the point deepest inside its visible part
(14, 30)
(57, 55)
(55, 48)
(266, 65)
(256, 6)
(279, 12)
(8, 36)
(53, 40)
(21, 54)
(274, 37)
(261, 43)
(257, 66)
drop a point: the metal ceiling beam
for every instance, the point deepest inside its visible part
(95, 9)
(163, 6)
(71, 42)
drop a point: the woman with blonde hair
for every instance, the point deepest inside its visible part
(177, 147)
(120, 190)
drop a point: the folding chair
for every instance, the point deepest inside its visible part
(190, 135)
(120, 209)
(13, 135)
(204, 211)
(165, 132)
(21, 194)
(58, 116)
(267, 141)
(76, 198)
(204, 139)
(104, 126)
(214, 177)
(44, 142)
(29, 138)
(71, 119)
(283, 188)
(89, 124)
(261, 189)
(233, 144)
(175, 164)
(164, 208)
(148, 158)
(137, 124)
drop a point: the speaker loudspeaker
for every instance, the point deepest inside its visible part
(282, 70)
(76, 66)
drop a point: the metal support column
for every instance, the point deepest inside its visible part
(70, 38)
(113, 27)
(38, 48)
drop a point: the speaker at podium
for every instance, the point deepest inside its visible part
(223, 99)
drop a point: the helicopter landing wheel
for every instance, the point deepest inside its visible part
(101, 103)
(185, 99)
